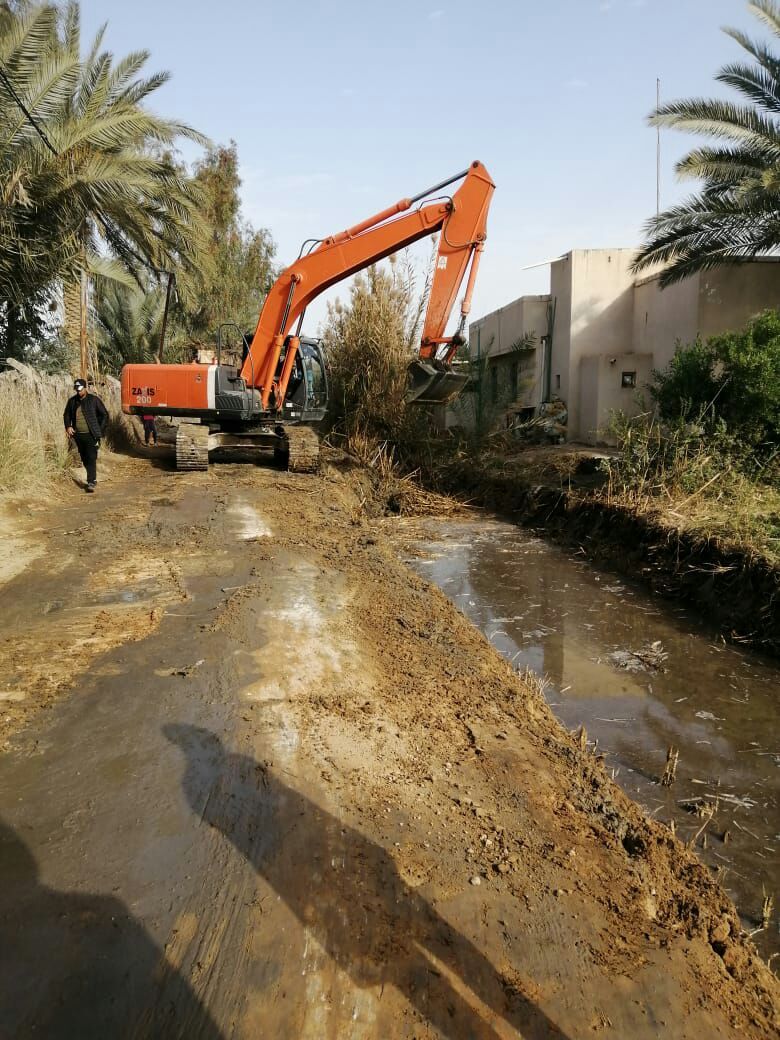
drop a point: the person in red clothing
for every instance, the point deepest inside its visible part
(150, 430)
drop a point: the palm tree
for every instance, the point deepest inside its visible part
(97, 192)
(128, 324)
(37, 74)
(736, 214)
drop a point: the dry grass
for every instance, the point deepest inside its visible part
(695, 485)
(33, 446)
(34, 450)
(369, 341)
(400, 492)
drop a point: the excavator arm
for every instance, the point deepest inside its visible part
(461, 218)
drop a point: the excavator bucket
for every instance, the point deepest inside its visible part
(433, 383)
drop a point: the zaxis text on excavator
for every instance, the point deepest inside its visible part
(282, 385)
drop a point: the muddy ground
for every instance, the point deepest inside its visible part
(259, 780)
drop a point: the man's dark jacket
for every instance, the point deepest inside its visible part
(94, 412)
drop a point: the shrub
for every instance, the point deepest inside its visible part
(732, 380)
(369, 342)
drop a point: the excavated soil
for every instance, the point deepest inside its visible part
(261, 780)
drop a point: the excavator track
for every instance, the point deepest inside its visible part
(303, 449)
(192, 447)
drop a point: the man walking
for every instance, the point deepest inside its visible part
(85, 419)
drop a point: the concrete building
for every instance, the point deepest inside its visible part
(595, 339)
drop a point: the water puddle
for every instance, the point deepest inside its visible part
(128, 595)
(640, 675)
(251, 524)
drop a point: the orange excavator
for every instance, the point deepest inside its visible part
(281, 388)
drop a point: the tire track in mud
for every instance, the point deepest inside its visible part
(288, 787)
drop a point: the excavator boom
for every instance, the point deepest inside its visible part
(462, 220)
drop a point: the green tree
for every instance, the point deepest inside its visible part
(240, 257)
(37, 76)
(732, 380)
(736, 214)
(87, 182)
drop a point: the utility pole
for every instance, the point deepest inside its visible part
(657, 151)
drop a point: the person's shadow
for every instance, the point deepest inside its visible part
(346, 890)
(81, 966)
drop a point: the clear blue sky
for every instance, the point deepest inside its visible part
(339, 109)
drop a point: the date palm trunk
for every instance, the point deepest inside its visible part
(71, 324)
(76, 308)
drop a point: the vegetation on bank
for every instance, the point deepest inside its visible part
(33, 448)
(34, 452)
(706, 459)
(692, 483)
(370, 340)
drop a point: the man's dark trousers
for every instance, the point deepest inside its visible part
(88, 450)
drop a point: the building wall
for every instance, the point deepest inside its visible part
(730, 296)
(602, 390)
(498, 331)
(664, 316)
(602, 311)
(589, 394)
(561, 293)
(534, 320)
(517, 382)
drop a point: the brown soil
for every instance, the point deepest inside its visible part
(316, 800)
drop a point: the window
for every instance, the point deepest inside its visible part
(314, 374)
(628, 379)
(557, 382)
(514, 378)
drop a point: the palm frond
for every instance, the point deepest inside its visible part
(110, 269)
(726, 166)
(760, 51)
(767, 12)
(108, 184)
(720, 119)
(760, 86)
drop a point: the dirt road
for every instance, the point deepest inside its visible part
(261, 781)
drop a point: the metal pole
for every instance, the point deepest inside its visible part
(657, 151)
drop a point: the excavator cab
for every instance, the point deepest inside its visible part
(433, 382)
(308, 390)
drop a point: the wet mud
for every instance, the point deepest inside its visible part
(265, 781)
